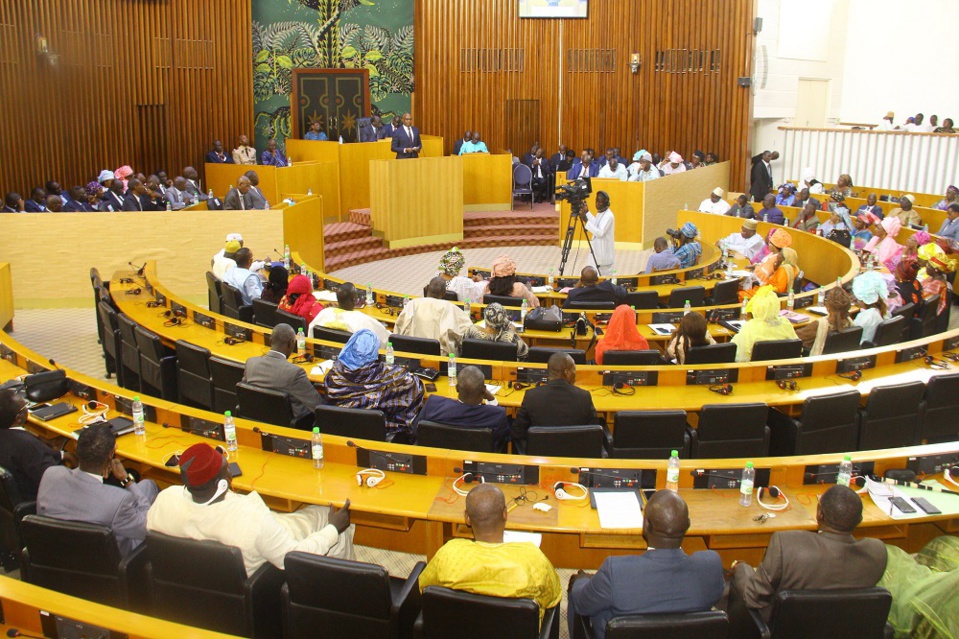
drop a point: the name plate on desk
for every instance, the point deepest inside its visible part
(788, 371)
(202, 427)
(238, 332)
(951, 344)
(531, 375)
(855, 364)
(712, 376)
(285, 445)
(502, 473)
(630, 378)
(204, 320)
(827, 473)
(667, 318)
(657, 280)
(726, 477)
(909, 354)
(631, 478)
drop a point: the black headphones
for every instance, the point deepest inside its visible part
(722, 389)
(126, 280)
(231, 341)
(932, 362)
(306, 358)
(854, 375)
(154, 304)
(134, 291)
(622, 388)
(787, 384)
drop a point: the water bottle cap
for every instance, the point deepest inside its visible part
(674, 453)
(316, 430)
(749, 464)
(227, 413)
(390, 344)
(299, 330)
(687, 301)
(136, 398)
(847, 457)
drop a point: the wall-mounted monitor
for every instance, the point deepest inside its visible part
(553, 8)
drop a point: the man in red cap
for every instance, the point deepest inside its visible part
(208, 509)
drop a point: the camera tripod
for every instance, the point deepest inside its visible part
(577, 208)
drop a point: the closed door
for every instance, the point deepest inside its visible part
(812, 103)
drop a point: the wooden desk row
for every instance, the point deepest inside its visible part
(922, 199)
(420, 512)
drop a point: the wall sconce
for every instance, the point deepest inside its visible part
(635, 61)
(41, 44)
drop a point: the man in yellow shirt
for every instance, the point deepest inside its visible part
(487, 565)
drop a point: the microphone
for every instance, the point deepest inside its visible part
(54, 364)
(139, 269)
(911, 484)
(387, 456)
(13, 632)
(279, 255)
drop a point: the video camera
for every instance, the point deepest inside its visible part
(674, 233)
(575, 191)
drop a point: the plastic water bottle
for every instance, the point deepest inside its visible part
(746, 485)
(845, 471)
(369, 295)
(139, 420)
(614, 280)
(672, 472)
(839, 282)
(169, 207)
(821, 298)
(229, 431)
(309, 192)
(406, 300)
(390, 356)
(210, 194)
(551, 280)
(300, 341)
(742, 309)
(452, 371)
(791, 300)
(286, 257)
(523, 309)
(765, 217)
(468, 308)
(686, 308)
(316, 449)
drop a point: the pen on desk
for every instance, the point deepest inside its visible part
(512, 506)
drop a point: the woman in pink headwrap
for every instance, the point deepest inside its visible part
(122, 174)
(913, 242)
(884, 245)
(672, 164)
(503, 282)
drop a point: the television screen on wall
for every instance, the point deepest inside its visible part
(553, 8)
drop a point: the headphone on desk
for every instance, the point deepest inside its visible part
(93, 411)
(787, 384)
(370, 476)
(467, 478)
(947, 474)
(306, 358)
(559, 488)
(932, 362)
(775, 493)
(853, 376)
(624, 389)
(722, 389)
(232, 341)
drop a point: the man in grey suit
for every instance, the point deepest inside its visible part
(177, 195)
(256, 195)
(664, 579)
(829, 559)
(82, 495)
(273, 372)
(238, 198)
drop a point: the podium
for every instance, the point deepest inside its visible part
(416, 202)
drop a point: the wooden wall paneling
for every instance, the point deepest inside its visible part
(136, 82)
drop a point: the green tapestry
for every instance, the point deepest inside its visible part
(336, 34)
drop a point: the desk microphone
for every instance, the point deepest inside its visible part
(13, 632)
(139, 269)
(386, 456)
(279, 255)
(54, 364)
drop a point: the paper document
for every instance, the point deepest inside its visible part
(539, 290)
(321, 370)
(325, 296)
(662, 329)
(618, 509)
(493, 388)
(518, 535)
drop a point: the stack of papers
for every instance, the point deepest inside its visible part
(793, 316)
(618, 509)
(542, 289)
(662, 329)
(324, 296)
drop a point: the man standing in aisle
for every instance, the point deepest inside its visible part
(761, 177)
(406, 139)
(603, 227)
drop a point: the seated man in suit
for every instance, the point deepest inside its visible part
(433, 317)
(12, 203)
(662, 580)
(828, 559)
(208, 509)
(557, 403)
(273, 372)
(583, 167)
(37, 202)
(81, 494)
(371, 131)
(135, 191)
(257, 198)
(193, 184)
(244, 153)
(112, 199)
(178, 196)
(542, 170)
(238, 198)
(342, 317)
(217, 155)
(486, 565)
(273, 156)
(470, 409)
(23, 454)
(590, 289)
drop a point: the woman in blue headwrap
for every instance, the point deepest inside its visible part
(359, 380)
(871, 291)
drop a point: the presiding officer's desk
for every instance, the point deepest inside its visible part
(418, 513)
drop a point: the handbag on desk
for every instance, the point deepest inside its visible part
(544, 318)
(42, 387)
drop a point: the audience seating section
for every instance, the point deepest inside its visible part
(731, 430)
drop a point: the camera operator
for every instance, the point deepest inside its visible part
(685, 246)
(602, 226)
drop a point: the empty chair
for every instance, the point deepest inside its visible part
(361, 423)
(891, 416)
(541, 354)
(712, 624)
(730, 430)
(695, 295)
(712, 354)
(823, 614)
(940, 408)
(841, 341)
(888, 332)
(725, 292)
(204, 584)
(213, 294)
(347, 599)
(157, 366)
(232, 304)
(296, 322)
(522, 184)
(226, 374)
(487, 349)
(642, 299)
(502, 300)
(649, 434)
(269, 406)
(110, 338)
(827, 424)
(454, 613)
(632, 358)
(421, 345)
(81, 560)
(776, 349)
(12, 510)
(588, 440)
(193, 375)
(438, 435)
(264, 313)
(129, 353)
(331, 334)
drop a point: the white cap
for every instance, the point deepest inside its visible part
(719, 192)
(231, 237)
